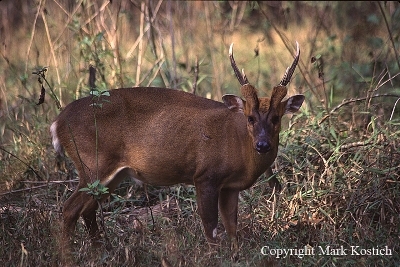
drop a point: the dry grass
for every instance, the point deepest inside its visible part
(331, 196)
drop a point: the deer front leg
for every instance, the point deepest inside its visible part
(228, 207)
(207, 202)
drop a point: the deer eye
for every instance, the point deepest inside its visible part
(250, 119)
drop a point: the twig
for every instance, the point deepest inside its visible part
(23, 162)
(172, 35)
(354, 144)
(283, 38)
(166, 67)
(129, 54)
(140, 52)
(390, 33)
(83, 165)
(234, 7)
(102, 224)
(51, 182)
(70, 17)
(52, 52)
(41, 73)
(92, 78)
(360, 99)
(196, 76)
(148, 205)
(394, 107)
(32, 36)
(346, 102)
(151, 37)
(157, 65)
(47, 183)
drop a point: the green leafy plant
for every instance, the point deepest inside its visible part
(97, 97)
(96, 190)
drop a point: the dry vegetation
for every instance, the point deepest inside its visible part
(339, 157)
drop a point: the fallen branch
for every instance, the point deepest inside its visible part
(44, 184)
(354, 144)
(346, 102)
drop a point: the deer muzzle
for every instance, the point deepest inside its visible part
(262, 146)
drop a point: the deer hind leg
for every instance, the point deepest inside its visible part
(89, 217)
(83, 204)
(80, 204)
(228, 207)
(72, 209)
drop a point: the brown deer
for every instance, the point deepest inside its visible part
(165, 137)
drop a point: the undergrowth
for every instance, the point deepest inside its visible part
(336, 193)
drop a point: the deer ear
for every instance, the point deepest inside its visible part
(294, 103)
(234, 103)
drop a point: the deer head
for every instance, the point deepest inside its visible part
(263, 114)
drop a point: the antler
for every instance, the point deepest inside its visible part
(240, 76)
(289, 71)
(249, 92)
(280, 91)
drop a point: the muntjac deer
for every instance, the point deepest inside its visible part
(165, 137)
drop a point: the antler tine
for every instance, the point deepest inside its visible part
(290, 70)
(242, 79)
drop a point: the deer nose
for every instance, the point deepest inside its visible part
(262, 147)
